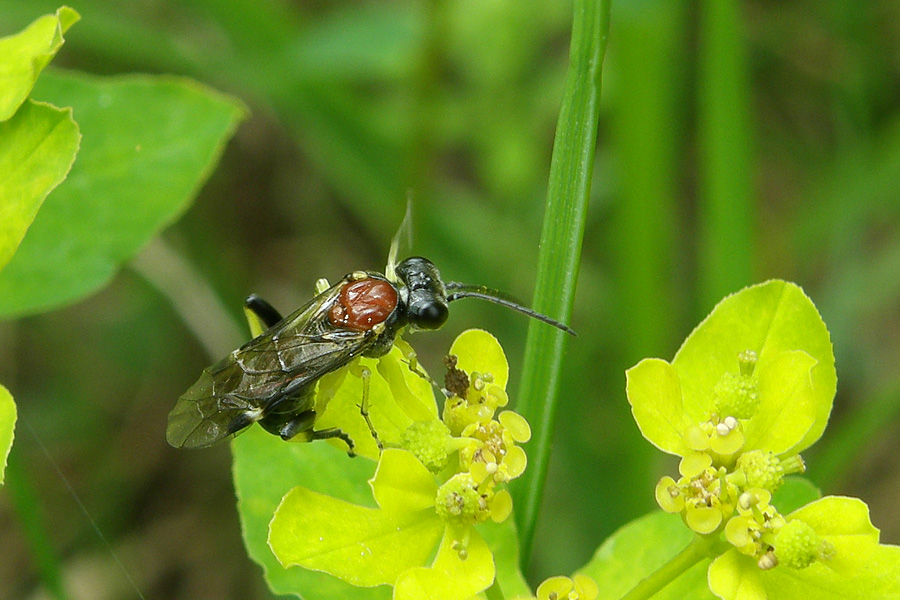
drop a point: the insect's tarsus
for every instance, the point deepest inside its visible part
(334, 432)
(366, 375)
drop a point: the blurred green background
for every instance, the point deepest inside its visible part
(737, 143)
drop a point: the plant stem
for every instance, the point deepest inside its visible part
(494, 592)
(693, 553)
(725, 191)
(191, 296)
(568, 192)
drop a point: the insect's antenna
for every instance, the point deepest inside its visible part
(404, 236)
(462, 290)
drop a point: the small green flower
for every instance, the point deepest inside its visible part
(797, 546)
(430, 442)
(398, 398)
(578, 587)
(829, 546)
(385, 545)
(434, 482)
(793, 377)
(748, 390)
(765, 470)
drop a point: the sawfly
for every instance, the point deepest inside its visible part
(271, 380)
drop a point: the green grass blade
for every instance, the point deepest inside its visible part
(571, 168)
(725, 202)
(28, 508)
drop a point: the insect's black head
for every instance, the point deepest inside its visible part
(426, 300)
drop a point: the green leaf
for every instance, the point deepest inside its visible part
(149, 143)
(478, 350)
(768, 318)
(7, 427)
(409, 389)
(877, 579)
(24, 55)
(402, 483)
(265, 469)
(562, 232)
(450, 577)
(639, 549)
(860, 569)
(37, 149)
(504, 544)
(734, 576)
(363, 546)
(794, 493)
(787, 408)
(845, 523)
(654, 392)
(397, 397)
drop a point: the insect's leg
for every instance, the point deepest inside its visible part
(300, 428)
(366, 375)
(260, 314)
(334, 432)
(412, 361)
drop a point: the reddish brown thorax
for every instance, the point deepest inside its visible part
(363, 304)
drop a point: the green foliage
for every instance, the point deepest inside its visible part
(750, 387)
(37, 148)
(737, 144)
(419, 537)
(26, 54)
(861, 568)
(625, 558)
(148, 142)
(56, 251)
(771, 319)
(265, 469)
(795, 369)
(38, 142)
(363, 546)
(568, 192)
(398, 396)
(7, 427)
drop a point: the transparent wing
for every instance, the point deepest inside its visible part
(272, 368)
(402, 240)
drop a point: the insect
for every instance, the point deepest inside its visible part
(272, 378)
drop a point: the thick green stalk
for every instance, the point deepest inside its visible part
(567, 198)
(697, 550)
(726, 192)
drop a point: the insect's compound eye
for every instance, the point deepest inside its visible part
(428, 314)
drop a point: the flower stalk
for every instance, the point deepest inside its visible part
(702, 547)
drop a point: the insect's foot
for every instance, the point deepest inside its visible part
(365, 415)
